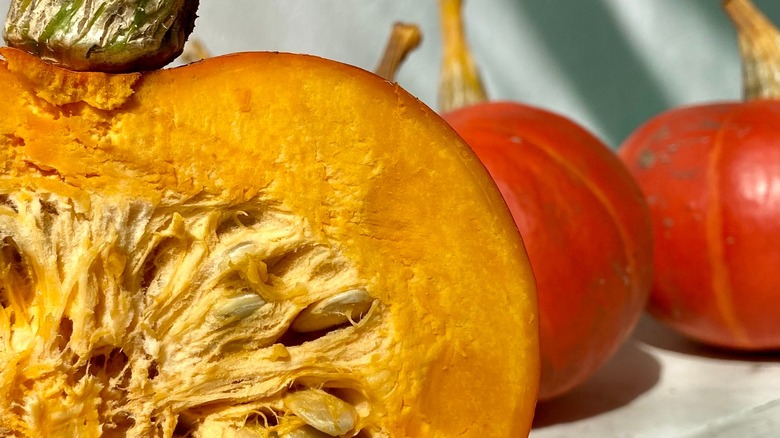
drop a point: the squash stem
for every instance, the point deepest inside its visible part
(460, 84)
(404, 38)
(194, 50)
(759, 44)
(101, 35)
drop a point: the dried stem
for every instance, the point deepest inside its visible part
(101, 35)
(759, 43)
(194, 51)
(459, 84)
(404, 38)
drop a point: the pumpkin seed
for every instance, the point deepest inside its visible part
(240, 306)
(333, 311)
(248, 433)
(305, 432)
(323, 411)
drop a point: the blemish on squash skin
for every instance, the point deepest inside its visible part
(685, 174)
(662, 133)
(646, 159)
(710, 125)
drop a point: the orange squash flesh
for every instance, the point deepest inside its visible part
(167, 236)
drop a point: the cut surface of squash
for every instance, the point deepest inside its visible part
(260, 244)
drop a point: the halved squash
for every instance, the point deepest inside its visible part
(260, 244)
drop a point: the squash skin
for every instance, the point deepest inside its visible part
(711, 174)
(585, 225)
(368, 167)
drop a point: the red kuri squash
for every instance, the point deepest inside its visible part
(711, 174)
(584, 220)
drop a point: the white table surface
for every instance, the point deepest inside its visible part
(660, 385)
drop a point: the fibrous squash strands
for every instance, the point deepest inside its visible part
(263, 245)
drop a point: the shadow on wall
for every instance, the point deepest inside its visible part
(588, 44)
(602, 68)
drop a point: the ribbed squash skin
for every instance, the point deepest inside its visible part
(169, 239)
(711, 174)
(585, 224)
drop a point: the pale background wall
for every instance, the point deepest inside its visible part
(608, 64)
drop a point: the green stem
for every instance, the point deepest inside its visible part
(101, 35)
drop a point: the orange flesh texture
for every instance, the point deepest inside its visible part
(711, 174)
(585, 226)
(369, 168)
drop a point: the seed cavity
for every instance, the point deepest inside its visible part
(16, 281)
(336, 310)
(7, 203)
(183, 320)
(64, 333)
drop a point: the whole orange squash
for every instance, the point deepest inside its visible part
(585, 226)
(260, 244)
(584, 220)
(711, 174)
